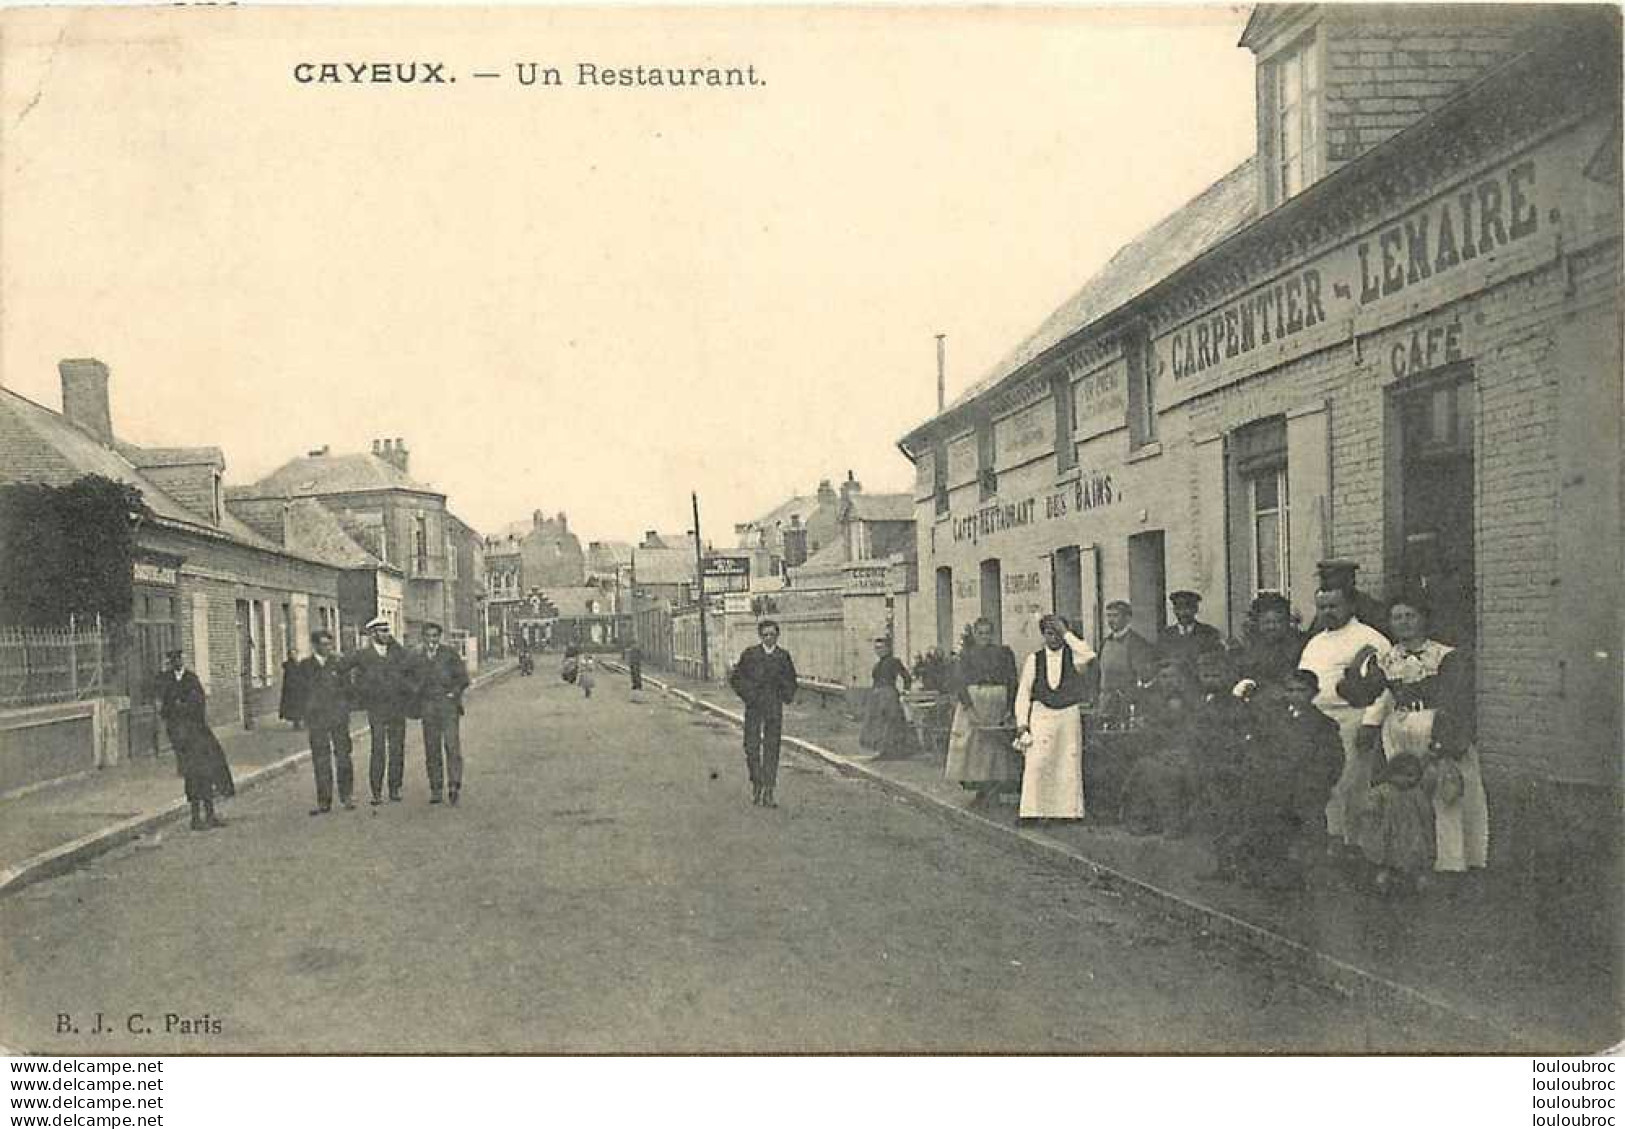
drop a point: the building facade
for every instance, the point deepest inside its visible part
(1392, 336)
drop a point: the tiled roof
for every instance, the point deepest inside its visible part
(881, 507)
(608, 554)
(169, 456)
(572, 602)
(1221, 210)
(663, 566)
(314, 530)
(39, 445)
(312, 476)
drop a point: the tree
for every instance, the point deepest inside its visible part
(67, 550)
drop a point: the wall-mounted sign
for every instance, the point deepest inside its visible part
(1432, 246)
(1089, 491)
(151, 572)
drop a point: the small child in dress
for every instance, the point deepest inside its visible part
(1396, 831)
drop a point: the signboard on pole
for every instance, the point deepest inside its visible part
(727, 574)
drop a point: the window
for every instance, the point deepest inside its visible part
(939, 476)
(987, 454)
(1142, 408)
(420, 544)
(451, 560)
(1267, 503)
(1066, 448)
(1294, 136)
(219, 498)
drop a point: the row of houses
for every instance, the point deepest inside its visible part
(238, 576)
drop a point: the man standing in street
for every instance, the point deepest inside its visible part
(384, 684)
(184, 709)
(1184, 640)
(634, 664)
(327, 715)
(442, 678)
(1342, 639)
(765, 679)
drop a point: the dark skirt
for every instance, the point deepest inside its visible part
(886, 731)
(201, 761)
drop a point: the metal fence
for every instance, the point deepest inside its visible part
(43, 665)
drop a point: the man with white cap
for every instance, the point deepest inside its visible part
(386, 685)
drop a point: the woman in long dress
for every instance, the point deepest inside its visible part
(979, 753)
(1048, 698)
(886, 732)
(1425, 697)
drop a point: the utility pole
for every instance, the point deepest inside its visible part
(699, 578)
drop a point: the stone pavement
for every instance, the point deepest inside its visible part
(48, 829)
(1536, 965)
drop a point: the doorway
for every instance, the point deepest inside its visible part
(1148, 582)
(945, 610)
(1431, 546)
(1066, 581)
(245, 664)
(993, 597)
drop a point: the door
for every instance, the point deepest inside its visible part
(1148, 582)
(1066, 582)
(245, 664)
(1435, 551)
(992, 592)
(945, 610)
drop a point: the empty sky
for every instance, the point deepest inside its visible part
(587, 299)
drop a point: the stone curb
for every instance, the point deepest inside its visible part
(1346, 979)
(57, 860)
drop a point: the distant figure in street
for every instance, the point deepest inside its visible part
(1050, 723)
(886, 732)
(1127, 661)
(584, 675)
(383, 674)
(327, 713)
(765, 680)
(291, 705)
(1184, 640)
(979, 754)
(634, 665)
(183, 707)
(1340, 641)
(441, 680)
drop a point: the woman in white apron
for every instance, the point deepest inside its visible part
(1048, 700)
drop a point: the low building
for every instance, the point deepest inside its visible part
(1392, 336)
(238, 604)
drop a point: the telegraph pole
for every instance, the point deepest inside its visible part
(699, 577)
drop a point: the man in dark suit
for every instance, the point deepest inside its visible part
(765, 679)
(634, 665)
(184, 710)
(386, 687)
(1127, 660)
(1184, 640)
(326, 690)
(442, 678)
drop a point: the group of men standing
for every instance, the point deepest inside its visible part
(388, 680)
(391, 683)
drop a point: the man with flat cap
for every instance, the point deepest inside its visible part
(327, 715)
(442, 678)
(386, 686)
(1183, 641)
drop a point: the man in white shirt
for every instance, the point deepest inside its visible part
(1328, 654)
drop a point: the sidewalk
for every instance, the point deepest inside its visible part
(1498, 953)
(51, 829)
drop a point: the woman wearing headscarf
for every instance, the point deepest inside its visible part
(1048, 700)
(886, 731)
(979, 753)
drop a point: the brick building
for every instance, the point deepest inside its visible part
(237, 603)
(1392, 335)
(399, 521)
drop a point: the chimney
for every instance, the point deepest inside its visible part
(650, 538)
(850, 487)
(826, 492)
(537, 519)
(392, 451)
(84, 397)
(564, 524)
(942, 371)
(318, 452)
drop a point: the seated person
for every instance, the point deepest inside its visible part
(1157, 794)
